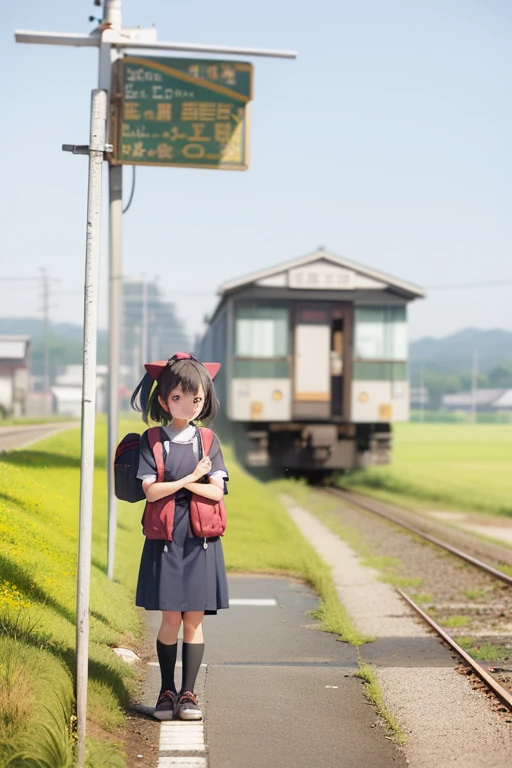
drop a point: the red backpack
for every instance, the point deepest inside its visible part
(207, 517)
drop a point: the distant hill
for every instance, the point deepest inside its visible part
(34, 327)
(454, 353)
(65, 342)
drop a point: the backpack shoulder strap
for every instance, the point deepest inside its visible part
(207, 439)
(157, 449)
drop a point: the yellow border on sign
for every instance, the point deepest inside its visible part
(185, 165)
(189, 78)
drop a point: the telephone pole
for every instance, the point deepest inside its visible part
(474, 385)
(422, 404)
(45, 289)
(144, 337)
(99, 106)
(112, 17)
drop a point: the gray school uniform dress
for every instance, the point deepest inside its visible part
(180, 575)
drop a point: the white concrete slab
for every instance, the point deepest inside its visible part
(255, 602)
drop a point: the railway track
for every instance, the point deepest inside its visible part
(396, 516)
(497, 689)
(24, 435)
(373, 505)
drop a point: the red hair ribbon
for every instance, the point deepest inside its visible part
(156, 369)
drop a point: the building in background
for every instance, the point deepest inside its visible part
(150, 330)
(67, 390)
(490, 400)
(14, 363)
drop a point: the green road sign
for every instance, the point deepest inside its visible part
(192, 113)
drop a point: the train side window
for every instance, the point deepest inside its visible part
(380, 333)
(261, 332)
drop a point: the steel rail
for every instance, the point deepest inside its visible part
(504, 696)
(347, 496)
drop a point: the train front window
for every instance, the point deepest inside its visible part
(261, 332)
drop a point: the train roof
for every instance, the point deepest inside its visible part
(341, 274)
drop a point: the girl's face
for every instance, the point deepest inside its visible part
(183, 406)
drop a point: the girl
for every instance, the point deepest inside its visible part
(184, 577)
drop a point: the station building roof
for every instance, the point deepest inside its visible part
(14, 349)
(483, 398)
(504, 400)
(322, 270)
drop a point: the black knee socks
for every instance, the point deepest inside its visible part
(167, 661)
(192, 658)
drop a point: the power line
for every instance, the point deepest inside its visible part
(20, 279)
(35, 280)
(482, 284)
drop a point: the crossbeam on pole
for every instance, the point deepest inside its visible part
(57, 38)
(200, 48)
(128, 39)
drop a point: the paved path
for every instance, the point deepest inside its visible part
(22, 436)
(275, 690)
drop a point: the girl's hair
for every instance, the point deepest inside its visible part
(188, 372)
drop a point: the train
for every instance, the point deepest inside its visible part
(314, 363)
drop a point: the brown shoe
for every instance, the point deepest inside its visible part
(188, 708)
(166, 706)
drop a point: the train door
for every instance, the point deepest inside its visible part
(341, 360)
(312, 373)
(336, 363)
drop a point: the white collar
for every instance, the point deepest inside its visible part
(182, 436)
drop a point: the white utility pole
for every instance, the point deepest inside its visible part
(422, 404)
(144, 337)
(112, 17)
(474, 385)
(99, 107)
(115, 177)
(45, 286)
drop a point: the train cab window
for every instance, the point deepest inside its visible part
(261, 332)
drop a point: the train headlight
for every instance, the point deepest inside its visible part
(363, 397)
(277, 395)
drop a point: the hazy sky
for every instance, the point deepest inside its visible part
(388, 141)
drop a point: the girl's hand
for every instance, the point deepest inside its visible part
(203, 467)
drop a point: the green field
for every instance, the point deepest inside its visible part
(466, 467)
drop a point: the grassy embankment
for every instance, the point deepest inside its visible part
(444, 466)
(38, 544)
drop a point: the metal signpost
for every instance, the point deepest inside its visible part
(92, 255)
(204, 124)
